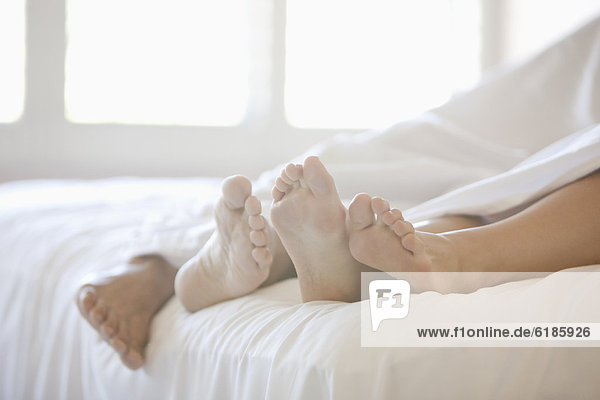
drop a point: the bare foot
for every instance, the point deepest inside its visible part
(382, 239)
(239, 256)
(120, 304)
(311, 222)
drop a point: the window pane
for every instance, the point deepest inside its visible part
(157, 61)
(12, 61)
(368, 63)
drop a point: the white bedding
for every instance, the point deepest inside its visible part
(268, 344)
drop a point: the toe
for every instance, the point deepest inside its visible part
(257, 222)
(252, 205)
(262, 256)
(119, 345)
(317, 178)
(109, 327)
(236, 190)
(277, 194)
(293, 172)
(258, 238)
(282, 185)
(379, 207)
(133, 358)
(360, 212)
(389, 217)
(412, 243)
(98, 314)
(402, 228)
(86, 299)
(285, 177)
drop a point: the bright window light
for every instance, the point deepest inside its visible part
(369, 63)
(552, 20)
(12, 63)
(181, 62)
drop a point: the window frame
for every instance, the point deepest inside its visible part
(44, 144)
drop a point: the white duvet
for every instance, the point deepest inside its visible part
(517, 137)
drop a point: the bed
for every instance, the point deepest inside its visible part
(269, 344)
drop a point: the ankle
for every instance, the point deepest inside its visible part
(447, 256)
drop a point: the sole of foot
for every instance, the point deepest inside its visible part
(121, 303)
(382, 239)
(237, 258)
(310, 219)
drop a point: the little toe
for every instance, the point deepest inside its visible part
(133, 358)
(412, 243)
(252, 205)
(257, 222)
(360, 213)
(236, 190)
(317, 178)
(258, 238)
(402, 228)
(262, 256)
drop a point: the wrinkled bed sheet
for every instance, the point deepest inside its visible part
(267, 344)
(517, 137)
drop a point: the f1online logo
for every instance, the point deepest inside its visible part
(388, 299)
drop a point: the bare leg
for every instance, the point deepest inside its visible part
(120, 303)
(559, 231)
(242, 255)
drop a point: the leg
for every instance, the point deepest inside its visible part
(559, 231)
(120, 304)
(241, 255)
(533, 239)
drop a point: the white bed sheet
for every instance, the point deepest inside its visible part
(265, 345)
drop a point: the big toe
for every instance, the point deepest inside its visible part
(86, 298)
(360, 213)
(236, 190)
(317, 178)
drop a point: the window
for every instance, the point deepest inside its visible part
(12, 64)
(349, 63)
(368, 63)
(533, 24)
(218, 87)
(176, 62)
